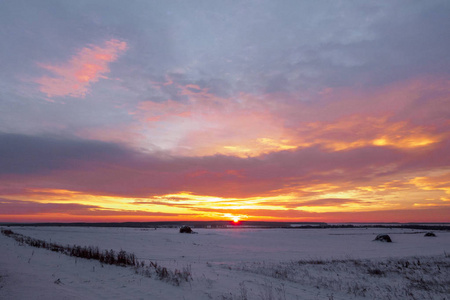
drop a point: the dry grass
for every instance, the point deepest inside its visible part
(110, 257)
(409, 278)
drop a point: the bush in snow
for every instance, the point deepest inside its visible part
(383, 238)
(185, 229)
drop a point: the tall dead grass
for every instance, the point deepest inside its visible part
(109, 257)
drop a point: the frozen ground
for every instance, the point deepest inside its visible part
(232, 264)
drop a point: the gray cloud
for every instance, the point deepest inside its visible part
(20, 154)
(106, 168)
(243, 46)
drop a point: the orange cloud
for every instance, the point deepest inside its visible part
(356, 131)
(249, 125)
(87, 66)
(439, 182)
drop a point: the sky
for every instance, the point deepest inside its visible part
(296, 111)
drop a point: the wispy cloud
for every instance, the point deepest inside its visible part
(203, 123)
(87, 66)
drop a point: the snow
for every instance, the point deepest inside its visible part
(229, 264)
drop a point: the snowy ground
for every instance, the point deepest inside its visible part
(232, 264)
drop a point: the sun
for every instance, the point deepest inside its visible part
(235, 219)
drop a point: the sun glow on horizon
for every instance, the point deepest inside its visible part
(308, 203)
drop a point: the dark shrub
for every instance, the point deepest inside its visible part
(7, 232)
(375, 272)
(185, 229)
(383, 238)
(430, 234)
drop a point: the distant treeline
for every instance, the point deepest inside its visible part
(414, 226)
(245, 224)
(176, 224)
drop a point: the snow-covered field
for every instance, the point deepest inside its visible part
(232, 264)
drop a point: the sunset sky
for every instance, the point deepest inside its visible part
(331, 111)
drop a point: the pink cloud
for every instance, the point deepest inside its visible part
(205, 124)
(74, 77)
(404, 115)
